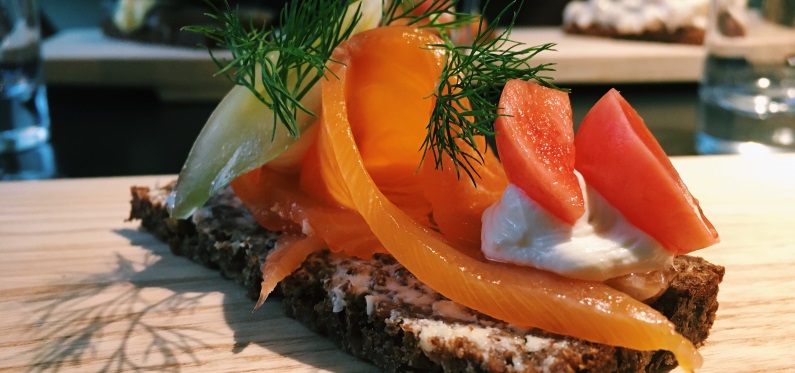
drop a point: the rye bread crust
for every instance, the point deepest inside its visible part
(682, 35)
(223, 235)
(362, 305)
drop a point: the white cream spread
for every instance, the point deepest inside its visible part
(637, 16)
(601, 244)
(439, 324)
(488, 340)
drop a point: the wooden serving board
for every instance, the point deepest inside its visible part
(599, 60)
(84, 290)
(87, 57)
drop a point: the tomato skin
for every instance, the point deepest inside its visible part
(535, 140)
(620, 158)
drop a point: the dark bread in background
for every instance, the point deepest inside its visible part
(366, 316)
(682, 35)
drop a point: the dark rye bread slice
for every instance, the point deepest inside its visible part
(683, 35)
(376, 310)
(222, 235)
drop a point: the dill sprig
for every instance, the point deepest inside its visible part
(286, 61)
(475, 74)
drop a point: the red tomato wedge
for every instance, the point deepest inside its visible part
(521, 296)
(619, 157)
(535, 140)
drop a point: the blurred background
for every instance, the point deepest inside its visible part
(121, 108)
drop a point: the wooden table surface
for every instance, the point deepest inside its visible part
(82, 289)
(590, 59)
(85, 57)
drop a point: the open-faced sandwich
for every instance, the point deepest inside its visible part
(670, 21)
(351, 168)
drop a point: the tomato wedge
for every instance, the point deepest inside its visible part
(535, 140)
(619, 157)
(521, 296)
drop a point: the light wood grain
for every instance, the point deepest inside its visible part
(590, 59)
(86, 57)
(84, 290)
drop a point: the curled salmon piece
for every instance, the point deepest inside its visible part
(288, 254)
(276, 202)
(300, 193)
(522, 296)
(458, 203)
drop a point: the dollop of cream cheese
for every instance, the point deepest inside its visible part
(601, 245)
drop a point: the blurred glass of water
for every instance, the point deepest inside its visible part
(747, 92)
(24, 114)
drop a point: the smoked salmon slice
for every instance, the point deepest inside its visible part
(457, 202)
(276, 202)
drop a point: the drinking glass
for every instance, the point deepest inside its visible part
(747, 92)
(24, 113)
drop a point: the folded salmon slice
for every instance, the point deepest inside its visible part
(307, 225)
